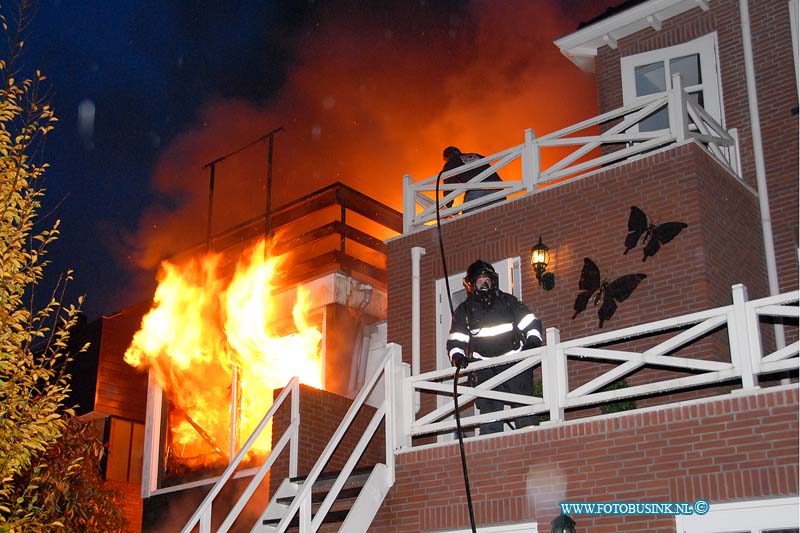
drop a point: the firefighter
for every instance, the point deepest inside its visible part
(491, 323)
(454, 158)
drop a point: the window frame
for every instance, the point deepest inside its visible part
(156, 425)
(743, 516)
(707, 50)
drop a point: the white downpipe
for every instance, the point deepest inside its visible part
(416, 253)
(758, 156)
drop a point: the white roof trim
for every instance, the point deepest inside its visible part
(581, 47)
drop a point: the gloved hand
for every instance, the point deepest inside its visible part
(460, 360)
(532, 342)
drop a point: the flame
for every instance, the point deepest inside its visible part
(204, 329)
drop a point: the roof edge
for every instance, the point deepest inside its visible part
(581, 47)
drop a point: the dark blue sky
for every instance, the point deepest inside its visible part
(144, 68)
(137, 85)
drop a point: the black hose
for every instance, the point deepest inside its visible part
(455, 375)
(463, 454)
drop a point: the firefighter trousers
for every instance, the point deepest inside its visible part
(520, 384)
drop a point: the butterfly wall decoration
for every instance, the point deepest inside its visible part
(611, 293)
(651, 235)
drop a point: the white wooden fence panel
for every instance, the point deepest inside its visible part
(652, 388)
(742, 320)
(719, 143)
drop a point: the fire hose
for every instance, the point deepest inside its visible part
(455, 375)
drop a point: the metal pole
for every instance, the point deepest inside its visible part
(269, 135)
(210, 205)
(761, 171)
(268, 216)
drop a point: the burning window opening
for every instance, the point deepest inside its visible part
(207, 337)
(329, 243)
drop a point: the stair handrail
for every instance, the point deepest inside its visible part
(202, 515)
(389, 370)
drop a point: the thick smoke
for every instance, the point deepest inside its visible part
(373, 94)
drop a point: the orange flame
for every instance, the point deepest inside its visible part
(203, 329)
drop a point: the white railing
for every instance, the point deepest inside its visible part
(392, 371)
(687, 122)
(744, 361)
(202, 516)
(440, 383)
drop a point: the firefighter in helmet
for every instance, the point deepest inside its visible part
(454, 158)
(491, 323)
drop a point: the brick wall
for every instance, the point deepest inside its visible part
(777, 95)
(320, 414)
(729, 448)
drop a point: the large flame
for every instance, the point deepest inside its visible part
(207, 335)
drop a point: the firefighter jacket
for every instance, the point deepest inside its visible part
(506, 325)
(459, 160)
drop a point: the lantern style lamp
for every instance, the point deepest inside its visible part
(540, 257)
(563, 524)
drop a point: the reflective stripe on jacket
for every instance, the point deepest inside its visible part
(490, 331)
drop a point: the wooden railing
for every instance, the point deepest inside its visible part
(619, 141)
(744, 361)
(319, 234)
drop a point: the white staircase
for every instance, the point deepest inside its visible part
(353, 508)
(349, 498)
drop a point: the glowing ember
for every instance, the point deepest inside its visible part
(202, 329)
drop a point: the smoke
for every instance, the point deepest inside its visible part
(374, 93)
(546, 485)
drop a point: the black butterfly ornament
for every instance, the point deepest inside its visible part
(610, 292)
(652, 235)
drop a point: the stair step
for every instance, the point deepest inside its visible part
(331, 517)
(348, 495)
(327, 479)
(317, 497)
(325, 476)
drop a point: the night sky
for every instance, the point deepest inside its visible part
(148, 91)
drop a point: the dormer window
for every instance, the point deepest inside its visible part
(651, 73)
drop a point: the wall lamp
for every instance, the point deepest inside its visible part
(563, 524)
(540, 257)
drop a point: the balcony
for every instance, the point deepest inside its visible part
(600, 143)
(333, 229)
(660, 358)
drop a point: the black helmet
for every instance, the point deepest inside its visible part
(450, 151)
(476, 270)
